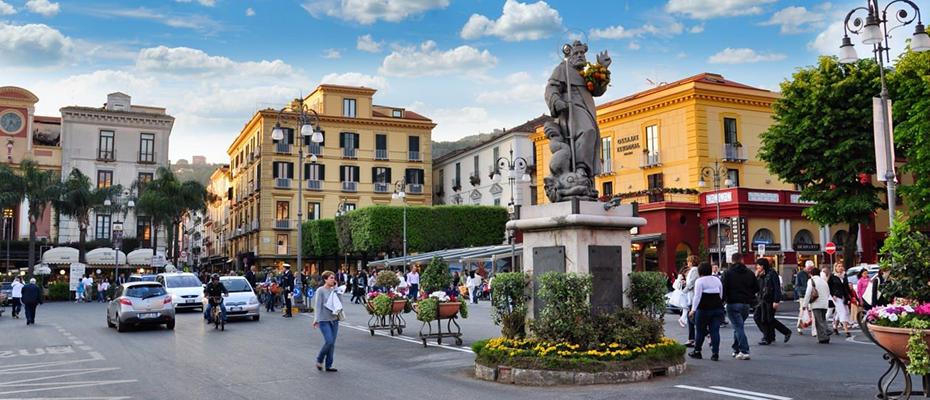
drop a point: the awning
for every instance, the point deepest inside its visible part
(647, 237)
(454, 255)
(60, 255)
(105, 256)
(140, 257)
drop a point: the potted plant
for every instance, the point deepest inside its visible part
(475, 180)
(441, 302)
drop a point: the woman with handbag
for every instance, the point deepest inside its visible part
(839, 291)
(326, 316)
(817, 299)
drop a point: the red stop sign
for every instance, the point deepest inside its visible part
(830, 248)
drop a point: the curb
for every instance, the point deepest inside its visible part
(538, 377)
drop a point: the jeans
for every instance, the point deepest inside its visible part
(414, 291)
(329, 329)
(269, 302)
(738, 313)
(206, 312)
(17, 305)
(475, 293)
(708, 321)
(101, 294)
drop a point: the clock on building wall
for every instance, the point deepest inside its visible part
(11, 122)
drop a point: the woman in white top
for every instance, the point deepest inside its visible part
(818, 305)
(473, 283)
(707, 311)
(17, 296)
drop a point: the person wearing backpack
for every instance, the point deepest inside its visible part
(816, 299)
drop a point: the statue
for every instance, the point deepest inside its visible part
(575, 138)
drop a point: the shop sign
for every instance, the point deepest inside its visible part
(796, 199)
(723, 197)
(763, 197)
(627, 144)
(806, 247)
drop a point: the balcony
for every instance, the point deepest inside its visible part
(415, 188)
(282, 224)
(145, 157)
(349, 152)
(282, 148)
(413, 155)
(255, 225)
(382, 187)
(315, 148)
(314, 184)
(651, 160)
(282, 183)
(106, 155)
(349, 186)
(734, 153)
(381, 154)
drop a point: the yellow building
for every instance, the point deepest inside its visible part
(366, 149)
(657, 147)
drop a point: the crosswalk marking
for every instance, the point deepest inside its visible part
(738, 393)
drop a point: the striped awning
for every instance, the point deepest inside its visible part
(105, 256)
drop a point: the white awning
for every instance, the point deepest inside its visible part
(140, 257)
(60, 255)
(105, 256)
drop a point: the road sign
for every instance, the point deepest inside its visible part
(830, 248)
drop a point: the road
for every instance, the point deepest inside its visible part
(70, 353)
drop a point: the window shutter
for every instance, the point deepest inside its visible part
(342, 174)
(323, 134)
(413, 143)
(321, 169)
(408, 175)
(381, 142)
(387, 175)
(420, 176)
(274, 170)
(290, 135)
(342, 140)
(357, 173)
(307, 171)
(374, 174)
(356, 141)
(290, 171)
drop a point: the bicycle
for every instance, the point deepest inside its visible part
(216, 313)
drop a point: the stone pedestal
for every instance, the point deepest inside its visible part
(580, 237)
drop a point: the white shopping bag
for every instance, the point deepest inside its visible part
(333, 303)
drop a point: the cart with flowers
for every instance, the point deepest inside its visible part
(384, 310)
(435, 308)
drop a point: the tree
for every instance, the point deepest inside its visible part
(821, 140)
(910, 93)
(37, 186)
(166, 199)
(78, 198)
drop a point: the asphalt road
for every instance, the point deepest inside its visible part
(70, 353)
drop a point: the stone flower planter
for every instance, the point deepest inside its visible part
(895, 339)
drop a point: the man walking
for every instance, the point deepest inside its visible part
(287, 286)
(250, 276)
(32, 297)
(800, 288)
(769, 299)
(413, 280)
(17, 296)
(739, 290)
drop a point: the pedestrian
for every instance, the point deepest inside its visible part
(861, 285)
(79, 291)
(287, 286)
(456, 280)
(88, 283)
(328, 307)
(692, 276)
(17, 294)
(32, 297)
(373, 281)
(102, 288)
(839, 293)
(473, 283)
(679, 298)
(816, 299)
(707, 311)
(270, 286)
(250, 276)
(413, 282)
(769, 299)
(800, 283)
(739, 292)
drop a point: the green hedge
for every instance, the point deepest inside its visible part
(379, 229)
(59, 291)
(320, 238)
(647, 292)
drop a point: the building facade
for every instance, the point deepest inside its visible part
(117, 144)
(216, 220)
(366, 150)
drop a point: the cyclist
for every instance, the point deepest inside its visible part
(214, 292)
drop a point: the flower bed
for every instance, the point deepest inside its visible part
(910, 320)
(603, 357)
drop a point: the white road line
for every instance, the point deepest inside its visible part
(721, 392)
(78, 342)
(71, 385)
(403, 338)
(69, 398)
(770, 396)
(47, 377)
(86, 348)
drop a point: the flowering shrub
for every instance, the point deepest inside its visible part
(381, 304)
(556, 355)
(428, 306)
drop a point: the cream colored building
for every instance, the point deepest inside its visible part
(366, 150)
(216, 220)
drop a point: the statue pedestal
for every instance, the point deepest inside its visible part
(580, 237)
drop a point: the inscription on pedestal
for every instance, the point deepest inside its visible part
(545, 259)
(605, 265)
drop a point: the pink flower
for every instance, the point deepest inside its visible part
(923, 309)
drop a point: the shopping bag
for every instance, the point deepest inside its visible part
(806, 319)
(333, 303)
(675, 299)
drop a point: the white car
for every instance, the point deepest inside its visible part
(185, 289)
(242, 301)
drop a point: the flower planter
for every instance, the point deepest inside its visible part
(895, 339)
(448, 310)
(398, 306)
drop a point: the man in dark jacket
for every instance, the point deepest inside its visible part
(32, 297)
(769, 299)
(287, 286)
(739, 292)
(250, 276)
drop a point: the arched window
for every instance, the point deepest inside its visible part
(803, 236)
(682, 251)
(763, 236)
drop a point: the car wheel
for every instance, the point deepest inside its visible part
(120, 326)
(170, 325)
(255, 317)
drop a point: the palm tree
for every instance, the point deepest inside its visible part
(78, 198)
(38, 187)
(166, 200)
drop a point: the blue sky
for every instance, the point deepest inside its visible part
(471, 66)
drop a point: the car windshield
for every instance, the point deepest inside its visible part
(182, 281)
(145, 291)
(6, 286)
(237, 285)
(142, 278)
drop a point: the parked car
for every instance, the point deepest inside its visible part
(140, 303)
(6, 293)
(669, 308)
(241, 301)
(853, 273)
(141, 278)
(185, 288)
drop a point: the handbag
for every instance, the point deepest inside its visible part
(814, 293)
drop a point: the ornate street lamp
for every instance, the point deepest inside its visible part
(121, 200)
(7, 225)
(515, 167)
(716, 172)
(400, 194)
(875, 32)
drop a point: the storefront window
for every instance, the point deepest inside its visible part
(651, 257)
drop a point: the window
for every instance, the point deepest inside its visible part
(458, 176)
(652, 139)
(763, 236)
(606, 163)
(497, 156)
(144, 230)
(381, 147)
(102, 227)
(349, 207)
(283, 211)
(283, 170)
(282, 244)
(314, 172)
(397, 113)
(497, 202)
(348, 108)
(608, 189)
(733, 176)
(313, 210)
(729, 131)
(147, 148)
(104, 179)
(655, 182)
(413, 147)
(414, 176)
(105, 146)
(381, 175)
(349, 142)
(475, 161)
(348, 173)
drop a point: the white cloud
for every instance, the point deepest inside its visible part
(828, 41)
(427, 60)
(743, 56)
(32, 45)
(707, 9)
(249, 12)
(634, 46)
(43, 7)
(6, 9)
(367, 12)
(519, 21)
(185, 60)
(196, 22)
(208, 3)
(356, 79)
(795, 19)
(332, 54)
(619, 32)
(517, 87)
(697, 28)
(367, 44)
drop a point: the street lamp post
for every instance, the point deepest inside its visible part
(400, 193)
(121, 199)
(874, 30)
(716, 172)
(306, 117)
(341, 211)
(7, 220)
(514, 167)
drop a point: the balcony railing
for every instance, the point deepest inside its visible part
(315, 148)
(106, 155)
(732, 152)
(381, 154)
(314, 184)
(349, 186)
(146, 157)
(607, 167)
(349, 152)
(381, 187)
(283, 183)
(255, 225)
(413, 155)
(651, 160)
(284, 148)
(415, 188)
(282, 224)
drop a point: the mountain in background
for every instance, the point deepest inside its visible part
(442, 148)
(199, 170)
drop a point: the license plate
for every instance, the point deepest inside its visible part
(235, 308)
(148, 315)
(189, 301)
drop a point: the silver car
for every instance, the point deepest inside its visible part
(140, 303)
(241, 301)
